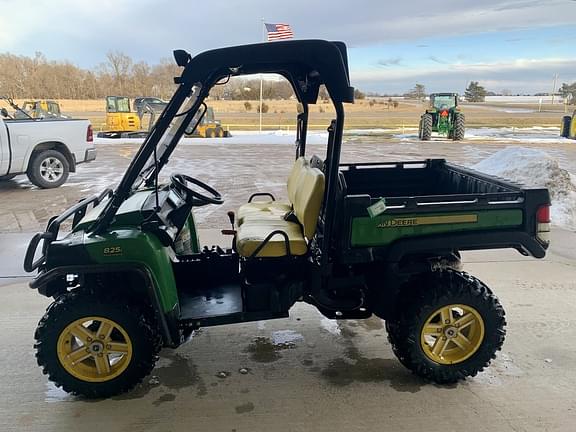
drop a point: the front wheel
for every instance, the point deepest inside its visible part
(449, 326)
(95, 348)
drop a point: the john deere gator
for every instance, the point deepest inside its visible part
(352, 239)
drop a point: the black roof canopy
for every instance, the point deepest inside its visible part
(305, 63)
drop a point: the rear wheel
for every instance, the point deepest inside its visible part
(220, 133)
(95, 348)
(426, 127)
(211, 133)
(459, 127)
(565, 126)
(448, 329)
(48, 169)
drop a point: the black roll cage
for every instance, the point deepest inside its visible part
(306, 64)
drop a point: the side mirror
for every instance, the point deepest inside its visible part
(4, 112)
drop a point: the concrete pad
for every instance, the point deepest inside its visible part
(307, 373)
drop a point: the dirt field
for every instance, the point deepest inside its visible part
(364, 114)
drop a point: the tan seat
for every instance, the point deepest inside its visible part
(273, 209)
(308, 195)
(263, 210)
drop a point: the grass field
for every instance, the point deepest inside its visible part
(364, 114)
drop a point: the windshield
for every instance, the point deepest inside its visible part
(444, 102)
(171, 134)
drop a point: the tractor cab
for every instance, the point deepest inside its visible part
(119, 117)
(39, 109)
(443, 101)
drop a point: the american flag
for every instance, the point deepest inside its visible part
(278, 32)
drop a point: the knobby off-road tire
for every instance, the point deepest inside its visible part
(438, 291)
(48, 169)
(565, 126)
(459, 127)
(426, 127)
(71, 349)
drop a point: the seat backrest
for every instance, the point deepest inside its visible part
(292, 183)
(308, 200)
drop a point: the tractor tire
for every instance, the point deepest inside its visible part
(220, 133)
(459, 127)
(447, 328)
(95, 347)
(565, 126)
(48, 169)
(425, 127)
(211, 133)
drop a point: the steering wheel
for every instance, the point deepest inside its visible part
(180, 181)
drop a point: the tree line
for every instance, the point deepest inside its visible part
(36, 77)
(474, 92)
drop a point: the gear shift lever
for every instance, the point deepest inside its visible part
(231, 216)
(232, 231)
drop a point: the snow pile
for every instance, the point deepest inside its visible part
(535, 168)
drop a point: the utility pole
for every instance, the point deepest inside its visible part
(554, 87)
(262, 26)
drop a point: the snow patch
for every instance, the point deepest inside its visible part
(535, 168)
(331, 326)
(282, 137)
(286, 337)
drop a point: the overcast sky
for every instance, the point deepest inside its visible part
(509, 44)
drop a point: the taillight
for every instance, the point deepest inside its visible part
(543, 223)
(89, 134)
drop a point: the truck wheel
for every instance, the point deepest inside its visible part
(426, 127)
(94, 348)
(459, 127)
(449, 329)
(565, 126)
(48, 169)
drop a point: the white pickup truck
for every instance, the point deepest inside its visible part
(45, 150)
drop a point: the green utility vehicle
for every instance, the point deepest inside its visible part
(443, 117)
(354, 240)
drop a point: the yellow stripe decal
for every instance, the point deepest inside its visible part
(428, 220)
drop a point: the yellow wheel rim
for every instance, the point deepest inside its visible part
(452, 334)
(94, 349)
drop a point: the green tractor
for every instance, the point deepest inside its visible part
(129, 276)
(443, 117)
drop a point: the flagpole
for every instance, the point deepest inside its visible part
(263, 40)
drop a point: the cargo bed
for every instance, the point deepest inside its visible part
(432, 205)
